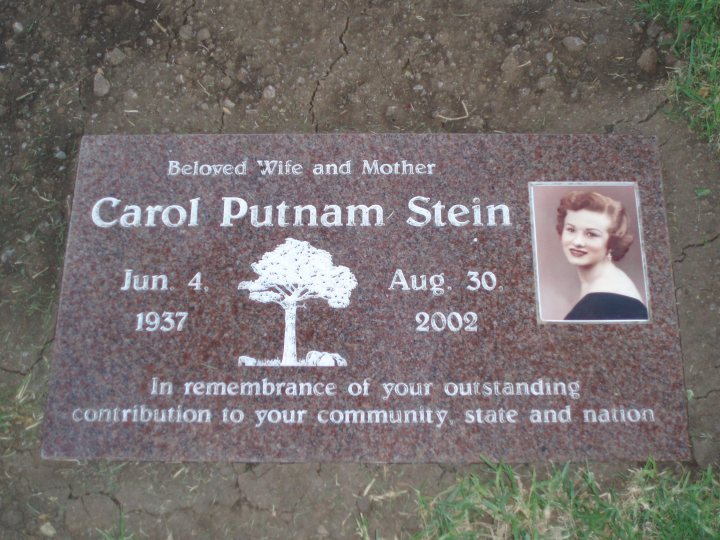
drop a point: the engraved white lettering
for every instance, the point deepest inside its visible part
(423, 216)
(273, 167)
(176, 168)
(144, 282)
(403, 167)
(171, 216)
(236, 209)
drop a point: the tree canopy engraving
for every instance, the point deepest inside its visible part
(290, 275)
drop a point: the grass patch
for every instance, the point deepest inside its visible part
(19, 417)
(362, 528)
(119, 532)
(650, 503)
(696, 85)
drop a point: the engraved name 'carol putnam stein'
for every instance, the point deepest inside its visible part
(108, 212)
(394, 298)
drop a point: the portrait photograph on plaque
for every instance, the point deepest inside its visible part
(588, 253)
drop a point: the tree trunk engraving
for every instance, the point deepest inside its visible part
(290, 345)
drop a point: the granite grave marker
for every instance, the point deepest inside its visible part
(342, 297)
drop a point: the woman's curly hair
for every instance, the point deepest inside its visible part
(620, 239)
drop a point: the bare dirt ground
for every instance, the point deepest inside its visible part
(222, 66)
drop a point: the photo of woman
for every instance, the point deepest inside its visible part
(599, 275)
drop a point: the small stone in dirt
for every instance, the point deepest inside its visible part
(12, 517)
(115, 57)
(443, 38)
(18, 27)
(229, 104)
(391, 112)
(476, 122)
(549, 57)
(648, 60)
(101, 86)
(7, 254)
(131, 95)
(653, 29)
(363, 504)
(665, 38)
(269, 92)
(185, 33)
(548, 81)
(60, 155)
(322, 532)
(510, 65)
(574, 43)
(46, 529)
(670, 60)
(600, 39)
(203, 34)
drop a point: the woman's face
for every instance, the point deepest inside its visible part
(585, 237)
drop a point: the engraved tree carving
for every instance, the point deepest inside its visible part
(290, 275)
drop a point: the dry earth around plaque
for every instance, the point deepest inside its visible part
(68, 69)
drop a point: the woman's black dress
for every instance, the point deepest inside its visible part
(601, 306)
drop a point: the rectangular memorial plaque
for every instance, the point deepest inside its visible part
(395, 298)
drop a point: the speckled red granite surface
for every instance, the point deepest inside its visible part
(101, 361)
